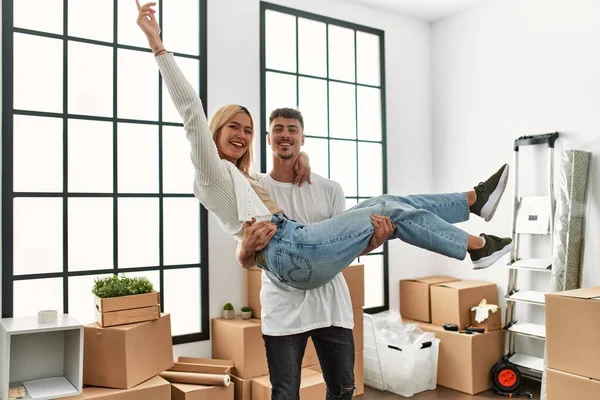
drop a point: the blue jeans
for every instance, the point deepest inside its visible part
(309, 256)
(335, 349)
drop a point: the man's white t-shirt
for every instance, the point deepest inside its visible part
(287, 310)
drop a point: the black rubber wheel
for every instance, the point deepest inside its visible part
(506, 377)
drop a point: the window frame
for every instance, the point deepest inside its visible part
(266, 6)
(8, 194)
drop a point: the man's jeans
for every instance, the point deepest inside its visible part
(309, 256)
(335, 349)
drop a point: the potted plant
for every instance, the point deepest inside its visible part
(246, 312)
(123, 300)
(228, 311)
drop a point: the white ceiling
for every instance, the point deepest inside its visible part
(429, 10)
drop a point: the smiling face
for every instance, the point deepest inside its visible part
(235, 137)
(286, 137)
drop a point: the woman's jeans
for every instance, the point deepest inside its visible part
(309, 256)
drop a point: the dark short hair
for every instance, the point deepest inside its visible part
(286, 113)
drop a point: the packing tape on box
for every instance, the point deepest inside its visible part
(197, 378)
(47, 316)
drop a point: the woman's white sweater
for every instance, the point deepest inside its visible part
(218, 184)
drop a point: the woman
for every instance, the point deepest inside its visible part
(309, 256)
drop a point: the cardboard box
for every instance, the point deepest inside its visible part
(312, 386)
(180, 391)
(465, 361)
(358, 330)
(492, 323)
(572, 320)
(127, 309)
(355, 279)
(415, 301)
(242, 388)
(153, 389)
(240, 340)
(359, 372)
(123, 356)
(451, 302)
(254, 284)
(563, 386)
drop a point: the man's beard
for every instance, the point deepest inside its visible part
(285, 156)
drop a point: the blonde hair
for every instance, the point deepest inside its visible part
(220, 118)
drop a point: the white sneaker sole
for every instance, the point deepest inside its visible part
(489, 208)
(492, 258)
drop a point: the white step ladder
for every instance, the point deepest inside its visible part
(531, 216)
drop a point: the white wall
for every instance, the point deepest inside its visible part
(234, 77)
(509, 68)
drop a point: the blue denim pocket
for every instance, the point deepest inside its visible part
(293, 267)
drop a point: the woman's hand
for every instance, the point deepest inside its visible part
(302, 169)
(146, 20)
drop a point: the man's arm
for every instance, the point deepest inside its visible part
(256, 238)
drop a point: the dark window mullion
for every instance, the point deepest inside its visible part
(161, 215)
(356, 114)
(65, 78)
(328, 100)
(115, 140)
(7, 158)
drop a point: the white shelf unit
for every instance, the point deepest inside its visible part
(47, 359)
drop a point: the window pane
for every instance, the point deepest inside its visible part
(38, 68)
(367, 55)
(48, 296)
(90, 156)
(343, 165)
(341, 53)
(81, 299)
(369, 113)
(280, 91)
(312, 47)
(39, 15)
(318, 152)
(342, 110)
(137, 165)
(313, 105)
(90, 233)
(182, 300)
(191, 70)
(351, 203)
(180, 26)
(137, 85)
(138, 232)
(90, 79)
(280, 41)
(370, 180)
(100, 27)
(373, 280)
(181, 231)
(37, 235)
(153, 277)
(178, 172)
(128, 31)
(38, 154)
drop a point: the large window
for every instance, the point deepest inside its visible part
(333, 72)
(96, 172)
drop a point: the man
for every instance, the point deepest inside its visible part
(290, 316)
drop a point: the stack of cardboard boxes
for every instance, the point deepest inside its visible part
(572, 349)
(241, 341)
(123, 360)
(465, 360)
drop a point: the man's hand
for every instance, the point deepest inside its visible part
(256, 238)
(302, 169)
(383, 230)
